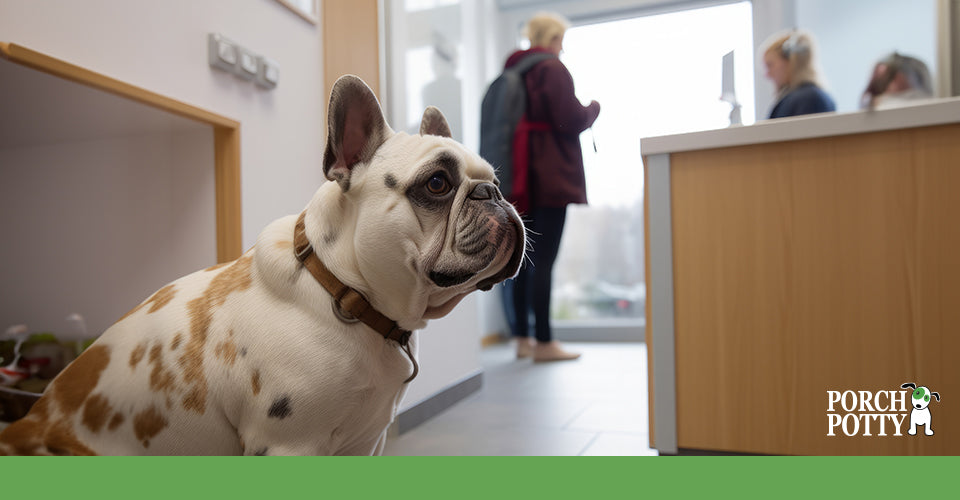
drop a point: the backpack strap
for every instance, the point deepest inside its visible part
(527, 63)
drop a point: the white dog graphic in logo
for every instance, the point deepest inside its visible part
(920, 414)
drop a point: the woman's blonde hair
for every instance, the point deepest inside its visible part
(798, 48)
(543, 27)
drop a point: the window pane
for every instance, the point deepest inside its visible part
(652, 75)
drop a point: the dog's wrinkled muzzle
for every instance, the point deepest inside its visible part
(516, 256)
(488, 243)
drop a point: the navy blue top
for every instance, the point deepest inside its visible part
(803, 100)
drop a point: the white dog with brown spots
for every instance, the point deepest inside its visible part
(303, 345)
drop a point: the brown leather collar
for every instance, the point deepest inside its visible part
(348, 303)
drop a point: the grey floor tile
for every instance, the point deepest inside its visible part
(490, 442)
(596, 405)
(620, 416)
(495, 413)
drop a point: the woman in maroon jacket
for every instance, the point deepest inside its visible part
(553, 122)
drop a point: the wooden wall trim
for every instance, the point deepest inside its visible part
(351, 42)
(42, 62)
(228, 195)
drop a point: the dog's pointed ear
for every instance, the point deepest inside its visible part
(434, 123)
(936, 395)
(355, 129)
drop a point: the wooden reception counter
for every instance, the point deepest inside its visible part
(799, 271)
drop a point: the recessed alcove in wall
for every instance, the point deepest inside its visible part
(107, 192)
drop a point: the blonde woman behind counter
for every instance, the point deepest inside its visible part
(790, 59)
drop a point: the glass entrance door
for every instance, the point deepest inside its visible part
(653, 75)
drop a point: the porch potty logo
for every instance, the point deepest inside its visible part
(883, 413)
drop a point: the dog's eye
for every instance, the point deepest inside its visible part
(438, 185)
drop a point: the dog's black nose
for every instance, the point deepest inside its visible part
(485, 191)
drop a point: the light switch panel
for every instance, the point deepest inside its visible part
(268, 73)
(227, 55)
(246, 67)
(221, 53)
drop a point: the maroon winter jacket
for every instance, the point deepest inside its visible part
(556, 160)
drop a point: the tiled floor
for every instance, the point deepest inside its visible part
(596, 405)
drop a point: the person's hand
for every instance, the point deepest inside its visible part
(594, 110)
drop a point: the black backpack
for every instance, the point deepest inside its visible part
(504, 104)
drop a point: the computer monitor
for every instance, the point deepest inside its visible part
(728, 91)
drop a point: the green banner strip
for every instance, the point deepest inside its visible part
(491, 477)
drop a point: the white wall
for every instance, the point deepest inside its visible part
(449, 352)
(162, 46)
